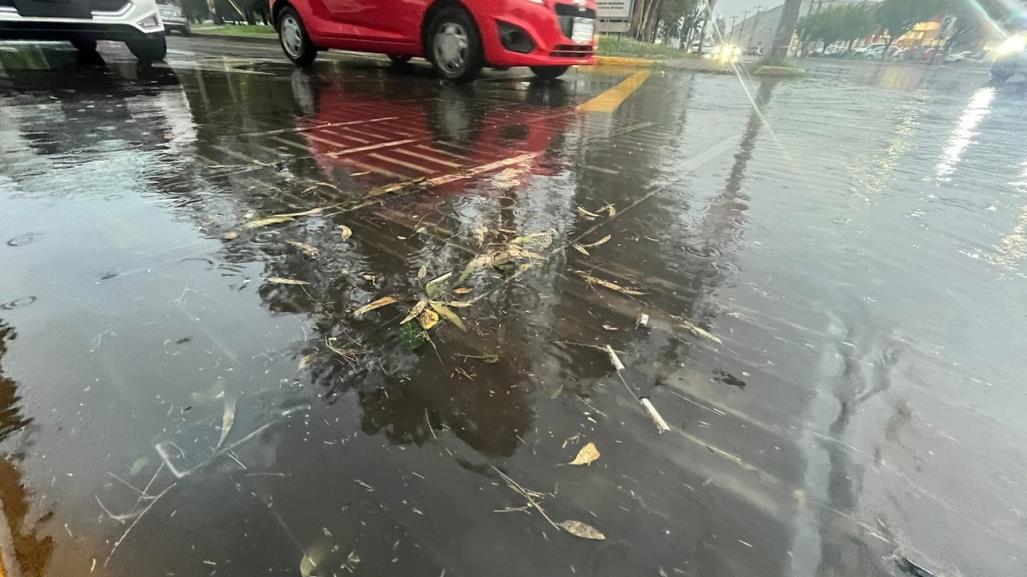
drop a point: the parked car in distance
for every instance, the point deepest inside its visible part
(83, 22)
(171, 14)
(459, 39)
(957, 57)
(862, 51)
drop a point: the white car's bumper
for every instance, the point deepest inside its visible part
(76, 19)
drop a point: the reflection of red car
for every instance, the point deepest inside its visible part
(364, 134)
(459, 38)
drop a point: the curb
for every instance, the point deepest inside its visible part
(240, 37)
(628, 61)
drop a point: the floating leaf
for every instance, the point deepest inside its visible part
(614, 359)
(290, 281)
(599, 242)
(458, 304)
(228, 417)
(611, 210)
(415, 311)
(607, 284)
(587, 455)
(279, 218)
(345, 231)
(700, 332)
(462, 291)
(422, 272)
(586, 214)
(448, 314)
(583, 530)
(580, 249)
(138, 465)
(382, 302)
(479, 234)
(412, 335)
(305, 361)
(428, 319)
(609, 327)
(437, 286)
(231, 235)
(307, 249)
(535, 240)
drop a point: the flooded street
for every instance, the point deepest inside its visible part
(819, 283)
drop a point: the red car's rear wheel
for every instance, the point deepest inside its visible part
(454, 46)
(294, 39)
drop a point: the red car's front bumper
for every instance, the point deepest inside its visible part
(504, 25)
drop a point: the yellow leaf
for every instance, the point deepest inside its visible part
(414, 312)
(448, 314)
(611, 210)
(580, 249)
(382, 302)
(275, 219)
(700, 332)
(345, 231)
(280, 280)
(588, 454)
(307, 249)
(599, 242)
(583, 530)
(607, 284)
(422, 272)
(587, 215)
(461, 291)
(458, 304)
(428, 319)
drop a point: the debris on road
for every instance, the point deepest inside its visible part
(286, 281)
(345, 232)
(700, 332)
(279, 218)
(583, 530)
(661, 425)
(592, 280)
(382, 302)
(586, 456)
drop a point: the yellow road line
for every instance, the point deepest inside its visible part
(612, 98)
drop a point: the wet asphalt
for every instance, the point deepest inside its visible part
(833, 269)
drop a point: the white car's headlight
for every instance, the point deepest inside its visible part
(1012, 45)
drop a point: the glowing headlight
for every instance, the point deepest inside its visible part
(1012, 45)
(150, 21)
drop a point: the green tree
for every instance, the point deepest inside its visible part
(975, 21)
(897, 17)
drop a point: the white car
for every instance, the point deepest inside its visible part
(83, 22)
(171, 15)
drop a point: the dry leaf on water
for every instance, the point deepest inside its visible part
(583, 530)
(382, 302)
(588, 454)
(345, 231)
(414, 312)
(700, 332)
(607, 284)
(535, 240)
(290, 281)
(599, 242)
(279, 218)
(580, 249)
(307, 249)
(587, 215)
(611, 210)
(461, 291)
(458, 304)
(422, 272)
(436, 287)
(428, 319)
(305, 361)
(448, 314)
(614, 359)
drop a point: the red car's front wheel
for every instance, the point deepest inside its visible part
(455, 46)
(294, 39)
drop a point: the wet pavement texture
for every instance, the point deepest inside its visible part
(833, 269)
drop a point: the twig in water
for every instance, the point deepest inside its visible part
(136, 522)
(428, 422)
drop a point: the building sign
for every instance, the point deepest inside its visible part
(615, 9)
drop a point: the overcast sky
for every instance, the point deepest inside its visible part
(731, 8)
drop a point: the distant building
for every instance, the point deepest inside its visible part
(757, 31)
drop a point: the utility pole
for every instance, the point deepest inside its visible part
(733, 27)
(755, 24)
(741, 32)
(785, 31)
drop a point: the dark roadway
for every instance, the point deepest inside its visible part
(833, 268)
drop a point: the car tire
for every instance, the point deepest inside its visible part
(399, 59)
(84, 46)
(454, 46)
(549, 72)
(149, 50)
(293, 37)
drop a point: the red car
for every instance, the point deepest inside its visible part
(459, 38)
